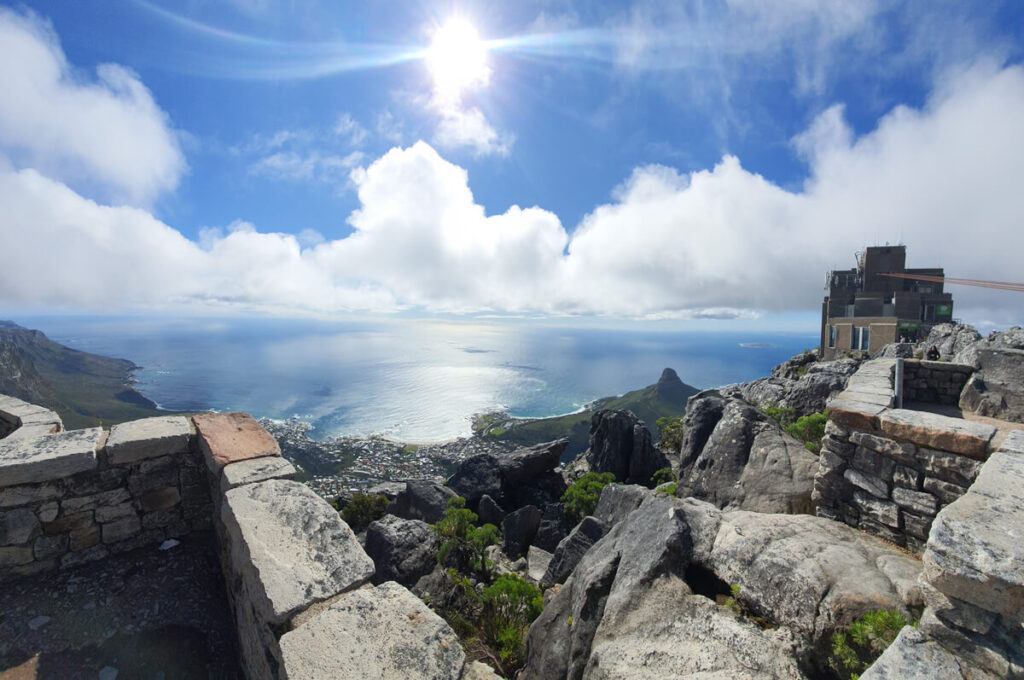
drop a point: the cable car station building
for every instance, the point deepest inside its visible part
(866, 310)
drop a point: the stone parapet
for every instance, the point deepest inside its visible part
(934, 382)
(890, 471)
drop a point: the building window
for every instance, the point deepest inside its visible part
(861, 338)
(831, 336)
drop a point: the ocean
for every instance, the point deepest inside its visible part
(415, 380)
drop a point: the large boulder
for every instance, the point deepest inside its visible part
(950, 339)
(402, 550)
(997, 387)
(518, 530)
(422, 500)
(523, 465)
(618, 500)
(736, 457)
(572, 548)
(554, 526)
(805, 389)
(620, 443)
(522, 477)
(477, 475)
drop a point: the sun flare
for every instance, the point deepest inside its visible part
(457, 58)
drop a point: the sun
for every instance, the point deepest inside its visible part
(457, 58)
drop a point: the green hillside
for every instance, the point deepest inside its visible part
(667, 397)
(84, 389)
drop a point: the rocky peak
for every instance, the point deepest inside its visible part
(670, 388)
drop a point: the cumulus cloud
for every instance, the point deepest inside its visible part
(717, 243)
(105, 135)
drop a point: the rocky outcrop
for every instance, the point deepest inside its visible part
(736, 457)
(402, 550)
(802, 384)
(950, 339)
(620, 443)
(518, 530)
(513, 480)
(997, 387)
(422, 500)
(572, 548)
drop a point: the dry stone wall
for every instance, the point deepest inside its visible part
(891, 471)
(934, 382)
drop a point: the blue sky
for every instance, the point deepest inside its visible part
(679, 161)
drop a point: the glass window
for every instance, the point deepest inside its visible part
(831, 336)
(861, 338)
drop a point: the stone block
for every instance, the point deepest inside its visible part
(975, 552)
(290, 548)
(147, 438)
(855, 415)
(78, 520)
(18, 526)
(136, 541)
(1014, 442)
(104, 498)
(946, 492)
(884, 532)
(49, 546)
(84, 537)
(934, 431)
(114, 513)
(381, 632)
(840, 447)
(907, 477)
(121, 529)
(883, 512)
(230, 437)
(873, 463)
(160, 518)
(833, 429)
(29, 494)
(916, 525)
(255, 470)
(12, 556)
(143, 482)
(917, 501)
(73, 559)
(873, 486)
(48, 511)
(949, 467)
(161, 499)
(84, 484)
(50, 457)
(161, 464)
(901, 452)
(27, 432)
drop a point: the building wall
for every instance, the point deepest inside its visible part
(883, 330)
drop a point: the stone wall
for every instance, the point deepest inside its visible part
(934, 382)
(891, 471)
(73, 497)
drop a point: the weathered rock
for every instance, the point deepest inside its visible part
(572, 548)
(255, 470)
(518, 530)
(52, 456)
(618, 500)
(938, 432)
(620, 443)
(802, 385)
(230, 437)
(389, 490)
(18, 526)
(747, 461)
(855, 415)
(537, 561)
(554, 526)
(478, 475)
(384, 632)
(290, 547)
(951, 339)
(479, 671)
(543, 489)
(913, 656)
(920, 502)
(997, 389)
(897, 350)
(147, 438)
(402, 550)
(422, 500)
(523, 465)
(489, 512)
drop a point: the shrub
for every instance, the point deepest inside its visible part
(662, 476)
(783, 415)
(669, 489)
(510, 605)
(864, 641)
(581, 498)
(670, 433)
(809, 430)
(363, 509)
(461, 541)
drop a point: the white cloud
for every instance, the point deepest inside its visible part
(460, 127)
(106, 136)
(719, 243)
(310, 166)
(350, 129)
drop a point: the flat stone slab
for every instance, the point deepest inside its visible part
(290, 547)
(31, 432)
(1014, 442)
(935, 431)
(147, 438)
(51, 456)
(854, 415)
(230, 437)
(975, 549)
(255, 470)
(385, 633)
(868, 396)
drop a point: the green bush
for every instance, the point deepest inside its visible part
(363, 509)
(670, 433)
(580, 499)
(864, 641)
(783, 415)
(510, 605)
(662, 476)
(462, 542)
(809, 430)
(669, 489)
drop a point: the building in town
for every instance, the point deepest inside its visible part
(865, 309)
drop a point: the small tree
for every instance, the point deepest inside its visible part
(670, 433)
(509, 607)
(581, 498)
(462, 542)
(864, 641)
(363, 509)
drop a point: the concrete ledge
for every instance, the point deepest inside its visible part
(49, 457)
(384, 632)
(854, 415)
(147, 438)
(1014, 442)
(938, 432)
(34, 420)
(255, 470)
(230, 437)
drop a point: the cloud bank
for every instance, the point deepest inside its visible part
(714, 243)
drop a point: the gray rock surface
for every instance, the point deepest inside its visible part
(147, 438)
(573, 547)
(523, 465)
(951, 340)
(806, 392)
(255, 470)
(912, 656)
(489, 512)
(478, 475)
(554, 526)
(51, 456)
(518, 530)
(384, 632)
(739, 458)
(997, 388)
(403, 550)
(618, 500)
(422, 500)
(537, 561)
(620, 443)
(290, 548)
